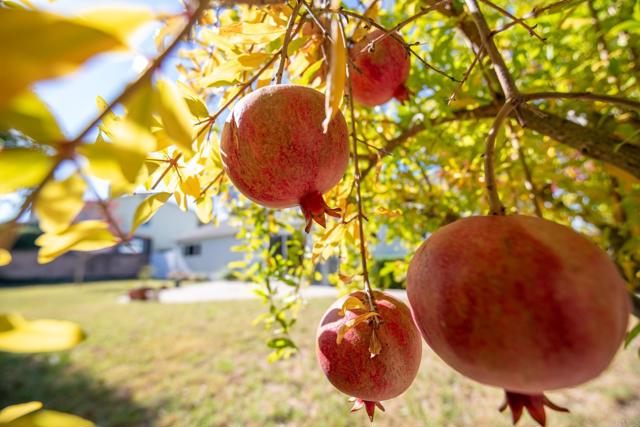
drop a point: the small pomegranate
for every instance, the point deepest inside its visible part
(275, 152)
(520, 303)
(370, 356)
(379, 69)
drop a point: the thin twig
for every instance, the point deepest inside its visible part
(356, 173)
(173, 162)
(535, 193)
(428, 65)
(495, 205)
(515, 19)
(104, 207)
(211, 184)
(285, 44)
(476, 58)
(535, 12)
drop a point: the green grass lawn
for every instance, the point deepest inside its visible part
(192, 365)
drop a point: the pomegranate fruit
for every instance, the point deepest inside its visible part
(275, 152)
(374, 359)
(379, 70)
(518, 302)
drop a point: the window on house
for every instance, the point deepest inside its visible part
(192, 250)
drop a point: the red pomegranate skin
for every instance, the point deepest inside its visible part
(275, 152)
(349, 365)
(518, 302)
(379, 73)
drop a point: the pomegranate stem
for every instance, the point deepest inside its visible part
(363, 249)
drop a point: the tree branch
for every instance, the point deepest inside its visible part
(596, 143)
(67, 149)
(625, 102)
(483, 112)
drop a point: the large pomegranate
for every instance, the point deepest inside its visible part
(376, 359)
(275, 151)
(520, 303)
(379, 69)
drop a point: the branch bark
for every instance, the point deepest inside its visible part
(592, 142)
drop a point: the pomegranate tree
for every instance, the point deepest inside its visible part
(372, 356)
(379, 69)
(520, 303)
(275, 152)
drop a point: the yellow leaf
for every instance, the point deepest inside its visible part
(204, 209)
(224, 74)
(84, 236)
(196, 105)
(337, 72)
(118, 21)
(372, 13)
(148, 209)
(141, 104)
(190, 186)
(171, 27)
(119, 161)
(352, 323)
(43, 45)
(5, 257)
(31, 116)
(253, 60)
(35, 336)
(375, 346)
(251, 33)
(13, 412)
(351, 304)
(59, 203)
(22, 168)
(175, 114)
(48, 418)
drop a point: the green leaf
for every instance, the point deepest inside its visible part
(632, 335)
(84, 236)
(175, 114)
(30, 56)
(281, 342)
(20, 335)
(148, 209)
(31, 116)
(22, 168)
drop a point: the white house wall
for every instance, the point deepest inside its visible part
(167, 225)
(214, 256)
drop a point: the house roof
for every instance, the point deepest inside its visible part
(208, 232)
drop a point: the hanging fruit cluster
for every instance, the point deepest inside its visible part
(515, 302)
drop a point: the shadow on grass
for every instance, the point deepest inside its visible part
(50, 379)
